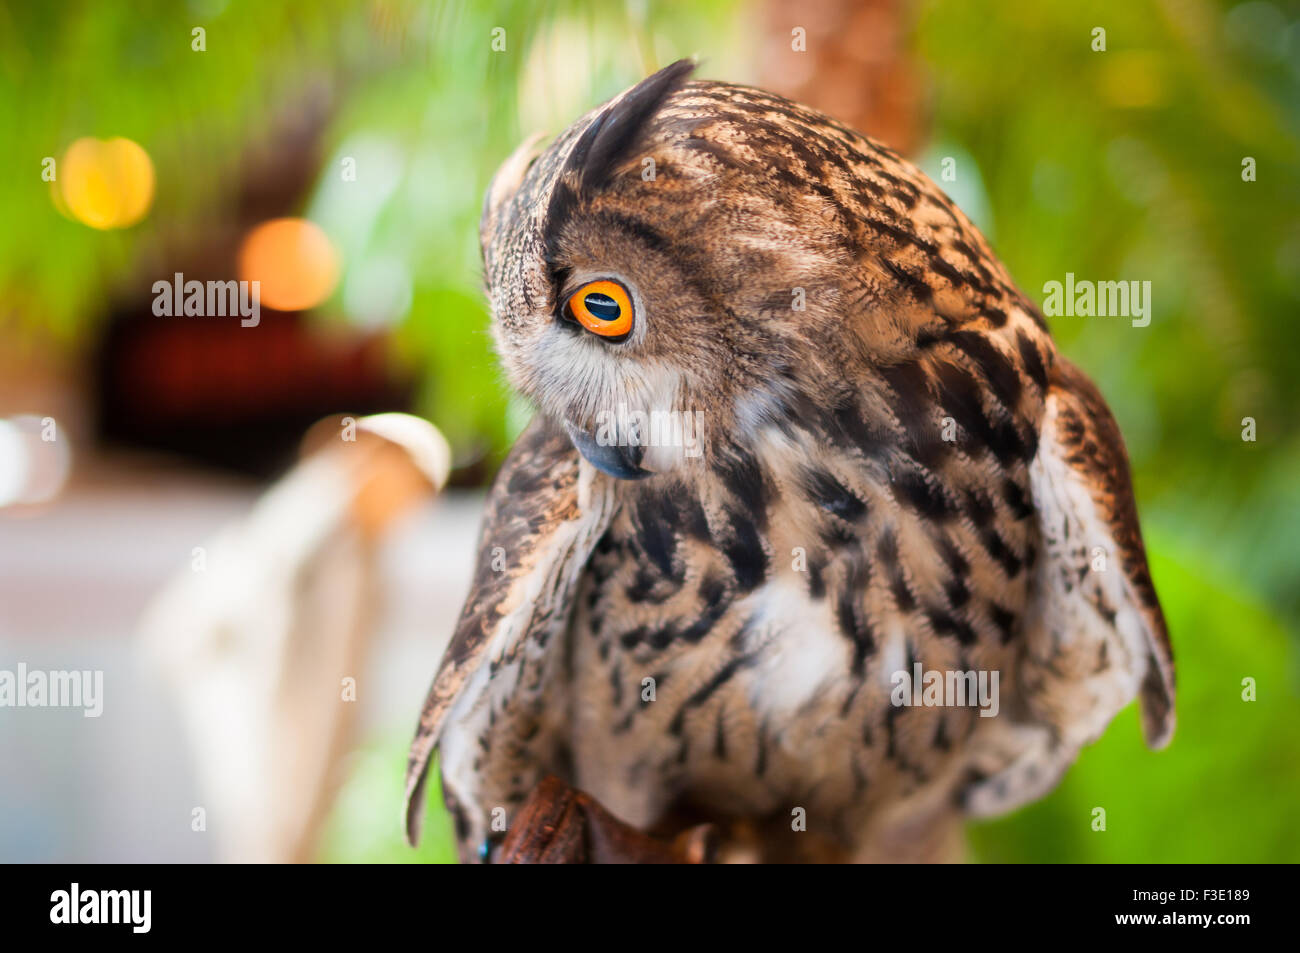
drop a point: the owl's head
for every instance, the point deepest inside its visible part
(685, 263)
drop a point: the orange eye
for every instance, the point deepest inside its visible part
(602, 307)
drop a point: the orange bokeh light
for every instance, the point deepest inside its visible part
(293, 259)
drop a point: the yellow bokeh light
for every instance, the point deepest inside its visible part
(293, 259)
(106, 183)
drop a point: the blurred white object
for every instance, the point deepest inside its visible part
(34, 460)
(263, 638)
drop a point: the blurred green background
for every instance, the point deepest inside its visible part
(1125, 163)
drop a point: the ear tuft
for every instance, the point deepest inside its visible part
(613, 132)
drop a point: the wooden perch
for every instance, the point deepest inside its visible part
(559, 825)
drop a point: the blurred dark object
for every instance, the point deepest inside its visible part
(229, 396)
(233, 397)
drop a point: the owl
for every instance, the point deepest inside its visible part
(814, 538)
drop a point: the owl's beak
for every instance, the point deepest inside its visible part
(620, 461)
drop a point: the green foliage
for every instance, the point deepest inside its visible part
(109, 69)
(1127, 164)
(1224, 791)
(421, 100)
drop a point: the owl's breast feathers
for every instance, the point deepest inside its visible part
(933, 485)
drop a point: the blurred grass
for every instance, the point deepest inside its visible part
(365, 825)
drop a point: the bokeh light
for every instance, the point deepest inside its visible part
(106, 183)
(295, 261)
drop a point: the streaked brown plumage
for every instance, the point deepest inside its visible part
(902, 471)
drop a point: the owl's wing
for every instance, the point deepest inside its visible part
(543, 517)
(1095, 636)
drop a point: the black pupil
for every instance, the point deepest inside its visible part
(601, 306)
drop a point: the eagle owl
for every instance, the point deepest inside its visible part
(798, 439)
